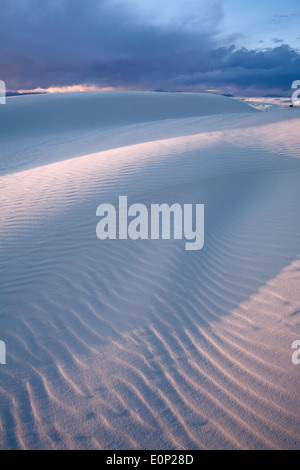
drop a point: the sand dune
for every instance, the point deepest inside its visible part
(124, 344)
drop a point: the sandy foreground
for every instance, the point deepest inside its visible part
(124, 344)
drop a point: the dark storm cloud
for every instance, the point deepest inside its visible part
(66, 42)
(252, 72)
(277, 41)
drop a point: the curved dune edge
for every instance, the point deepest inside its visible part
(68, 125)
(142, 345)
(59, 113)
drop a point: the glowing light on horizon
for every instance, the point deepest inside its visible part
(69, 89)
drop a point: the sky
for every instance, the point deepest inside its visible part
(239, 47)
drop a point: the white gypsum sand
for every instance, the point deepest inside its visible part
(124, 344)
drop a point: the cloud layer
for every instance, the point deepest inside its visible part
(56, 43)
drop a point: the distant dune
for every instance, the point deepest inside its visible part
(124, 344)
(61, 112)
